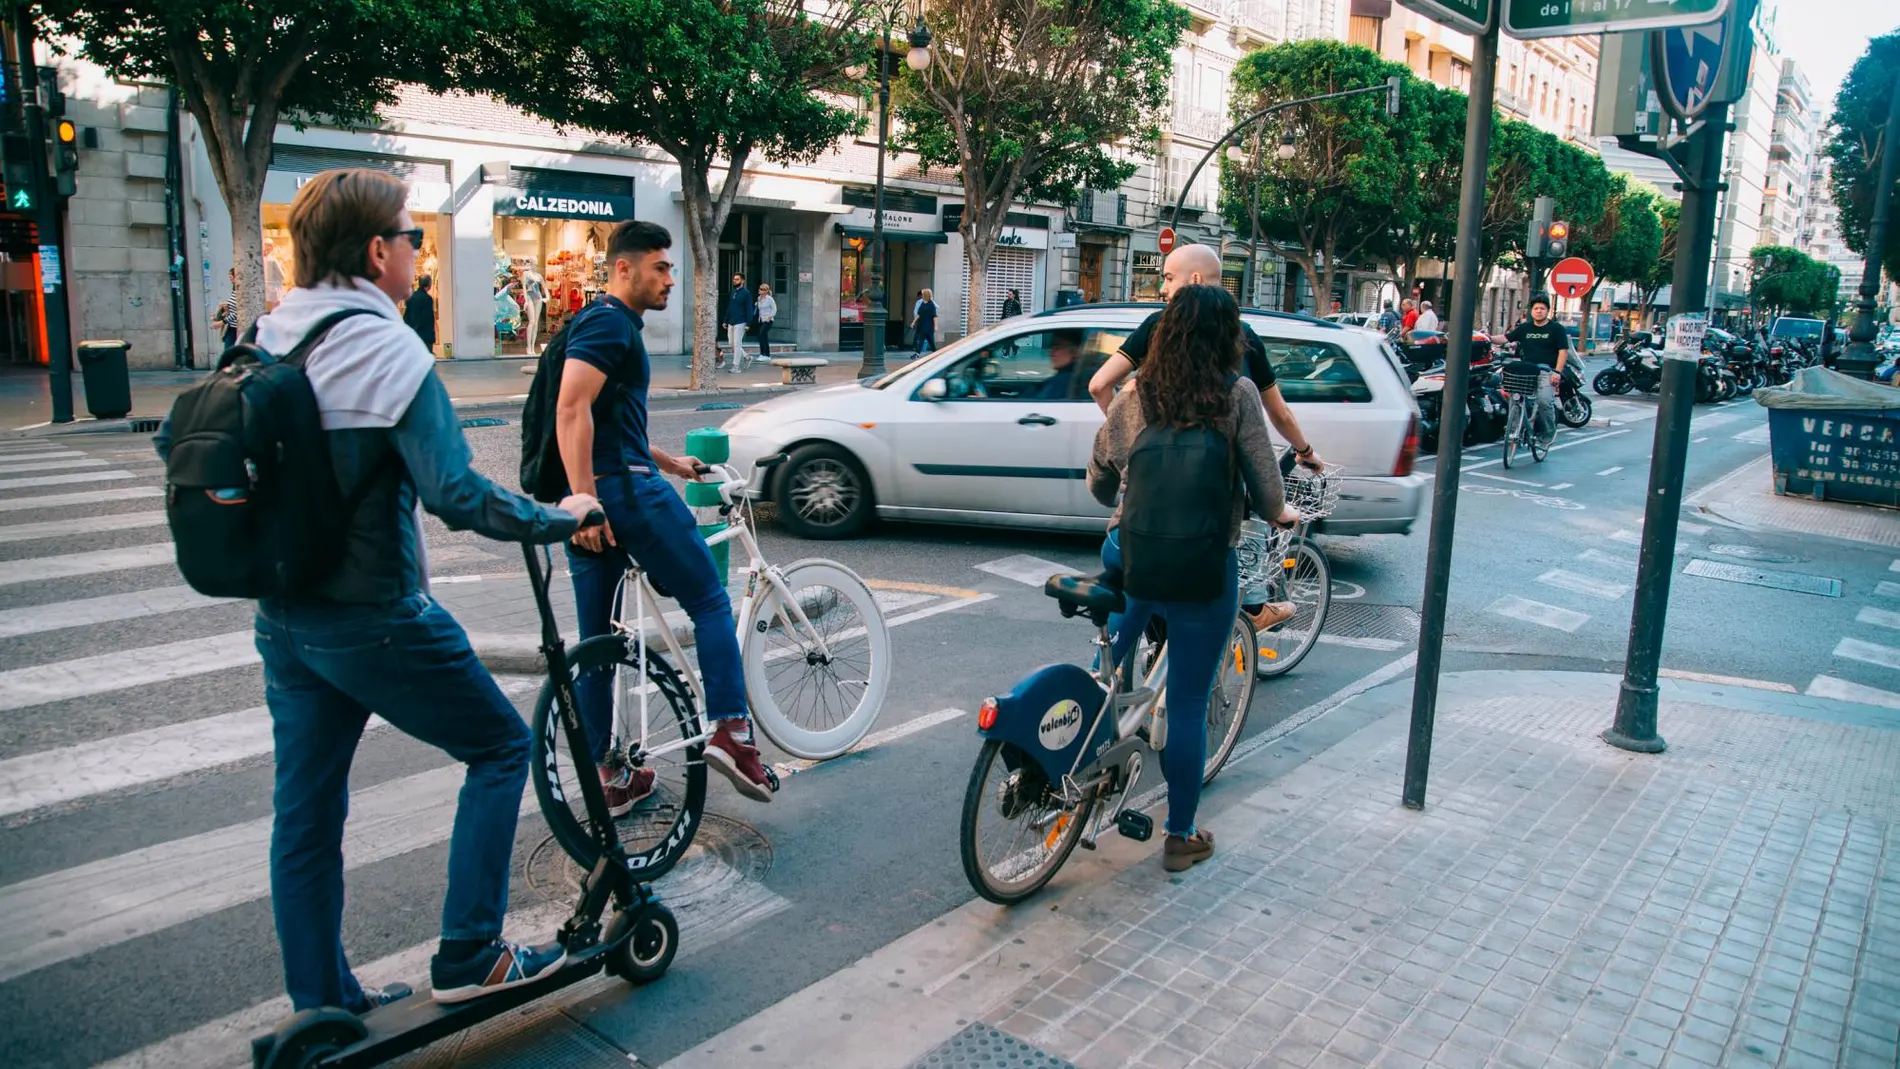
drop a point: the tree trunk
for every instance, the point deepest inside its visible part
(977, 248)
(706, 214)
(246, 202)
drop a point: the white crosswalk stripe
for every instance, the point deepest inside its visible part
(106, 609)
(80, 497)
(123, 521)
(23, 688)
(47, 462)
(1539, 613)
(65, 479)
(69, 565)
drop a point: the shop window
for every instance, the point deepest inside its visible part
(1317, 372)
(280, 252)
(1049, 365)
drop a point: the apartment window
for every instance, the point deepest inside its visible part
(1460, 74)
(1367, 32)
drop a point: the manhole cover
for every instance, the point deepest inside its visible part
(1766, 556)
(1355, 620)
(979, 1046)
(725, 854)
(1735, 573)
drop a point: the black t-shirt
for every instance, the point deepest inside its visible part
(1254, 363)
(1540, 345)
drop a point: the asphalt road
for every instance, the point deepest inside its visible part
(134, 924)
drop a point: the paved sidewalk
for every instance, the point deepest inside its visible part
(1746, 497)
(25, 393)
(1733, 902)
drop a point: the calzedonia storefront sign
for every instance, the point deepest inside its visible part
(552, 204)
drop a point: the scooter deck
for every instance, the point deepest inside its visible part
(415, 1022)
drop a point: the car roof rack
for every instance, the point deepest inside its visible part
(1122, 305)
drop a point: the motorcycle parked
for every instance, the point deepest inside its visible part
(1739, 357)
(1714, 382)
(1638, 367)
(1485, 405)
(1574, 409)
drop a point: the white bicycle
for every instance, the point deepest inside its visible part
(816, 653)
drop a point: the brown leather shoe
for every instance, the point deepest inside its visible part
(1273, 614)
(1179, 854)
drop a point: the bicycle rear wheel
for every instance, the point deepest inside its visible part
(658, 830)
(1232, 694)
(815, 702)
(1540, 445)
(1016, 832)
(1306, 580)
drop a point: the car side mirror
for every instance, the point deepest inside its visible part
(934, 390)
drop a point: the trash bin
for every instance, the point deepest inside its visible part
(108, 383)
(1834, 437)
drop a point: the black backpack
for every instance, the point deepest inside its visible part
(251, 497)
(542, 475)
(1178, 503)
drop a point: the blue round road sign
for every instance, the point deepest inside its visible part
(1688, 66)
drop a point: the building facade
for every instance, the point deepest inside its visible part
(1790, 148)
(1748, 172)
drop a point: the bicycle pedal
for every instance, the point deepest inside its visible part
(771, 778)
(1136, 825)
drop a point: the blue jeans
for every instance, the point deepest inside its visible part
(652, 523)
(327, 667)
(1198, 632)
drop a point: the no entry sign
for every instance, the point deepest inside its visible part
(1572, 277)
(1166, 240)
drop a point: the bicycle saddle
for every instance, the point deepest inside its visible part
(1092, 593)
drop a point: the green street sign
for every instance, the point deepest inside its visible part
(1575, 18)
(21, 200)
(1474, 17)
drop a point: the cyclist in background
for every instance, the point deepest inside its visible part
(1545, 342)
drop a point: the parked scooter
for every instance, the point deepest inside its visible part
(1485, 406)
(1638, 367)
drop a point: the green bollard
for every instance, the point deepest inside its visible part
(710, 445)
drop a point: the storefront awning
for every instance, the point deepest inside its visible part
(773, 204)
(922, 237)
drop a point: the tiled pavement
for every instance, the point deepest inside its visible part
(1733, 902)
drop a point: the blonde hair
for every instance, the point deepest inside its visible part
(334, 216)
(765, 289)
(926, 294)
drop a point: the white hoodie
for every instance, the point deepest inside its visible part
(367, 370)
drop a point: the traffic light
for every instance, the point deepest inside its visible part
(66, 157)
(1557, 240)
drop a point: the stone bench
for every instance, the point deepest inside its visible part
(799, 370)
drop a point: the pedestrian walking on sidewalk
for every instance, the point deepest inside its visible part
(1408, 321)
(739, 312)
(1012, 305)
(225, 315)
(419, 312)
(368, 639)
(1427, 319)
(601, 425)
(923, 322)
(1190, 420)
(765, 312)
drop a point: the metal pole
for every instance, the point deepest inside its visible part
(48, 216)
(1451, 418)
(1635, 725)
(1859, 358)
(878, 314)
(1249, 284)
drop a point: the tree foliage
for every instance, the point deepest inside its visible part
(1527, 163)
(1785, 280)
(1426, 225)
(1663, 268)
(709, 82)
(1627, 238)
(1340, 195)
(242, 66)
(1854, 148)
(1024, 99)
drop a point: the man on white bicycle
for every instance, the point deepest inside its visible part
(601, 424)
(1545, 342)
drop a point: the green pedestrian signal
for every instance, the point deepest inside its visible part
(21, 200)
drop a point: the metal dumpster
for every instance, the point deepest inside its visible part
(1833, 437)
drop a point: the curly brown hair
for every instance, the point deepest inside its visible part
(1186, 379)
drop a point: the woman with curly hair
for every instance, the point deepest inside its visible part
(1189, 383)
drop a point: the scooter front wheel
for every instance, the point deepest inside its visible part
(649, 948)
(306, 1040)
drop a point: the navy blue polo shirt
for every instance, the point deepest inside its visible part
(606, 336)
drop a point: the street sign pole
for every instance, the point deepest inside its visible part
(47, 211)
(1451, 429)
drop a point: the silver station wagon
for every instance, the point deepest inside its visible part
(997, 429)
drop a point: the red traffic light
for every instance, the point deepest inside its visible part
(1559, 231)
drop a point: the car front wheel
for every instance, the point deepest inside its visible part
(823, 493)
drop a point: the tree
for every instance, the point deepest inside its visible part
(1338, 196)
(1427, 222)
(242, 66)
(1527, 163)
(1663, 268)
(708, 82)
(1626, 240)
(1025, 99)
(1854, 148)
(1785, 280)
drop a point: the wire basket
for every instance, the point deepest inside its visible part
(1522, 379)
(1262, 553)
(1313, 493)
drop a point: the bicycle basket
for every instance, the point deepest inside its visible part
(1522, 377)
(1313, 493)
(1261, 553)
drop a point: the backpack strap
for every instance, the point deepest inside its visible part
(301, 352)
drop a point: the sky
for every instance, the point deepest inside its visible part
(1826, 36)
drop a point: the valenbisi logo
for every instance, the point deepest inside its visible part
(564, 206)
(1060, 725)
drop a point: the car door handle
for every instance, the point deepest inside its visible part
(1037, 420)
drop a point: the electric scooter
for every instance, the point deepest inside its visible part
(636, 944)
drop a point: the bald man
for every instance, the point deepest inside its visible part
(1199, 265)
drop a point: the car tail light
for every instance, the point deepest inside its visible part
(986, 714)
(1408, 452)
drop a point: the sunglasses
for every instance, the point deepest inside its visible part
(414, 236)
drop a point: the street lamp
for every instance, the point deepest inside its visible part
(1860, 357)
(918, 59)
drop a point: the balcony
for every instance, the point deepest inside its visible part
(1203, 13)
(1102, 208)
(1257, 23)
(1198, 124)
(1514, 104)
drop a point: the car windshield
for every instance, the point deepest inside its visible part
(892, 376)
(1799, 328)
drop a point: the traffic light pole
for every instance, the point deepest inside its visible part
(47, 213)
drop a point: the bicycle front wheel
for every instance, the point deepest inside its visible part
(1016, 831)
(1232, 694)
(659, 828)
(816, 685)
(1306, 580)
